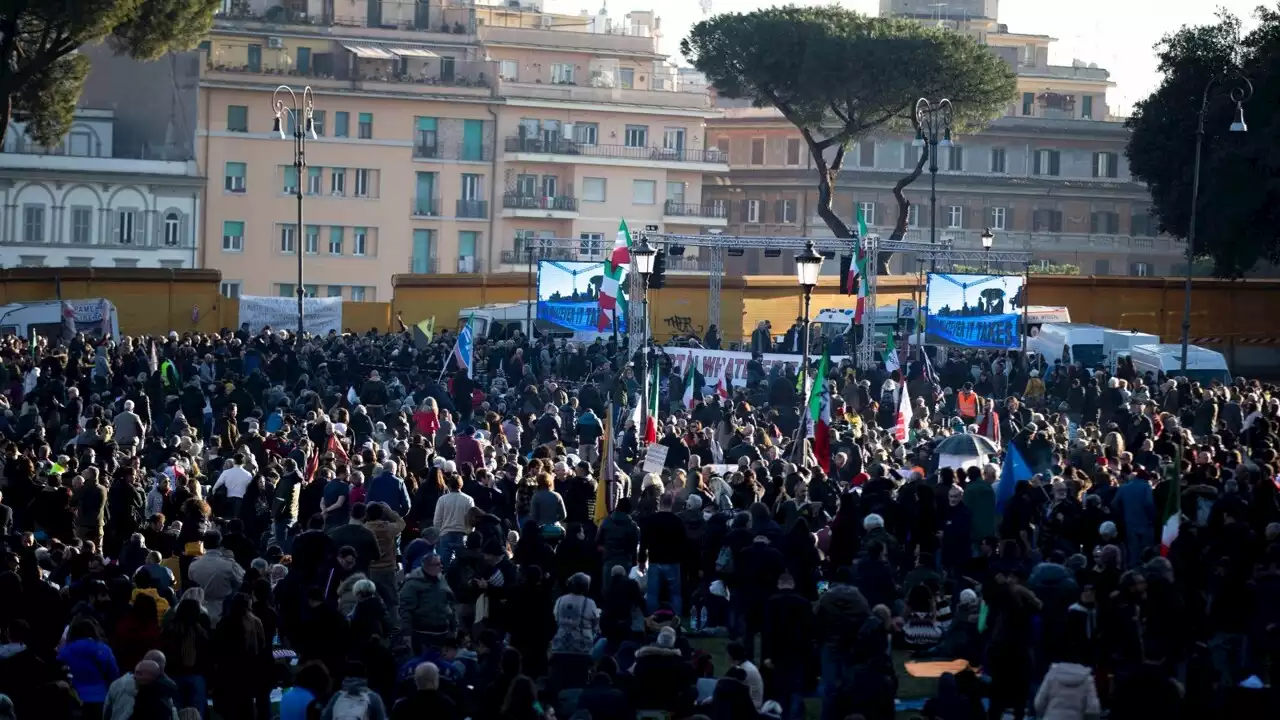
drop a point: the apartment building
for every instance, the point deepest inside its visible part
(448, 135)
(88, 203)
(1050, 176)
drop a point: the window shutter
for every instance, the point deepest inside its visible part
(1093, 223)
(1096, 165)
(1008, 218)
(964, 216)
(1113, 167)
(1036, 163)
(742, 210)
(1054, 162)
(777, 211)
(1057, 221)
(1113, 223)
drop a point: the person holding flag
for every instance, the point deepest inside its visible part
(690, 380)
(892, 363)
(820, 412)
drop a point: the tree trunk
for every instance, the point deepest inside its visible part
(6, 113)
(904, 207)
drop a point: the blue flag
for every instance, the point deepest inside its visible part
(462, 351)
(1014, 471)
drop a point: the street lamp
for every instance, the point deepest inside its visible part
(643, 255)
(988, 239)
(298, 111)
(1240, 94)
(930, 119)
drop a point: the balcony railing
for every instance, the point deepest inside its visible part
(475, 209)
(520, 256)
(425, 266)
(425, 207)
(562, 146)
(540, 202)
(464, 74)
(460, 151)
(689, 264)
(680, 209)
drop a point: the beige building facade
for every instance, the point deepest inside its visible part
(448, 138)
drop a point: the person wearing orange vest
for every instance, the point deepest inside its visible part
(967, 404)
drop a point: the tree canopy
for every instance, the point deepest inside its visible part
(41, 74)
(1236, 226)
(839, 76)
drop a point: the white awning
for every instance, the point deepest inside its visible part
(412, 52)
(371, 53)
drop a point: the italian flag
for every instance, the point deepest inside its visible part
(725, 387)
(861, 261)
(651, 389)
(891, 361)
(820, 413)
(612, 298)
(689, 380)
(903, 418)
(1171, 514)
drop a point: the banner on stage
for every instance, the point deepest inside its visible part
(712, 363)
(977, 311)
(319, 315)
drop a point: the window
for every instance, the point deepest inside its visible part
(125, 227)
(359, 241)
(1104, 164)
(675, 192)
(312, 239)
(590, 244)
(955, 216)
(317, 122)
(361, 294)
(509, 70)
(626, 78)
(1141, 223)
(237, 118)
(673, 139)
(338, 181)
(793, 151)
(290, 179)
(722, 144)
(913, 216)
(334, 291)
(1047, 162)
(471, 187)
(1104, 222)
(363, 182)
(234, 177)
(82, 225)
(753, 211)
(1140, 269)
(718, 209)
(997, 160)
(955, 158)
(866, 154)
(526, 185)
(1102, 266)
(315, 181)
(996, 218)
(472, 140)
(636, 136)
(232, 236)
(868, 210)
(1029, 54)
(911, 155)
(287, 239)
(586, 133)
(230, 288)
(593, 189)
(1028, 103)
(1046, 221)
(786, 211)
(336, 240)
(561, 73)
(448, 66)
(467, 241)
(425, 141)
(79, 144)
(285, 290)
(757, 151)
(643, 192)
(365, 128)
(33, 223)
(1086, 107)
(341, 124)
(423, 241)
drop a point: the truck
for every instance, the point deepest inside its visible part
(1070, 343)
(1203, 365)
(499, 320)
(96, 317)
(1117, 343)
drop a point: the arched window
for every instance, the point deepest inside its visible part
(172, 230)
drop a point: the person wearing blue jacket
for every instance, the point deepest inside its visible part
(387, 488)
(92, 664)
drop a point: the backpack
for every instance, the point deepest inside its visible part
(347, 706)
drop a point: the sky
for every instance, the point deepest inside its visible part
(1116, 34)
(942, 293)
(553, 279)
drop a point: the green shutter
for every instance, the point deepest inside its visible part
(237, 118)
(366, 118)
(341, 121)
(427, 123)
(473, 140)
(232, 228)
(286, 290)
(467, 243)
(290, 176)
(421, 251)
(235, 169)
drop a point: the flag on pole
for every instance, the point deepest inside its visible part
(690, 377)
(902, 421)
(601, 509)
(153, 362)
(68, 321)
(724, 388)
(820, 412)
(929, 374)
(862, 222)
(613, 300)
(1171, 513)
(654, 385)
(423, 333)
(1013, 471)
(462, 349)
(891, 361)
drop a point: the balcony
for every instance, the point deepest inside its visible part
(472, 210)
(460, 151)
(520, 256)
(591, 94)
(423, 265)
(560, 150)
(403, 21)
(694, 214)
(462, 78)
(539, 206)
(425, 207)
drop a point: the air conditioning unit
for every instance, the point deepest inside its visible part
(544, 22)
(566, 131)
(275, 43)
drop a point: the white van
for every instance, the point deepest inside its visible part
(1203, 365)
(1081, 341)
(93, 317)
(1116, 344)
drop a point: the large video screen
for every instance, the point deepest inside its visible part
(978, 311)
(569, 296)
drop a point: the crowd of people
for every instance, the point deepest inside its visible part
(353, 526)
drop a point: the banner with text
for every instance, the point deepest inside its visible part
(979, 311)
(319, 315)
(712, 363)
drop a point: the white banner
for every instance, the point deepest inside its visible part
(712, 363)
(320, 315)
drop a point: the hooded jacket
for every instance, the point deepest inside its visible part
(840, 613)
(426, 604)
(1067, 693)
(220, 575)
